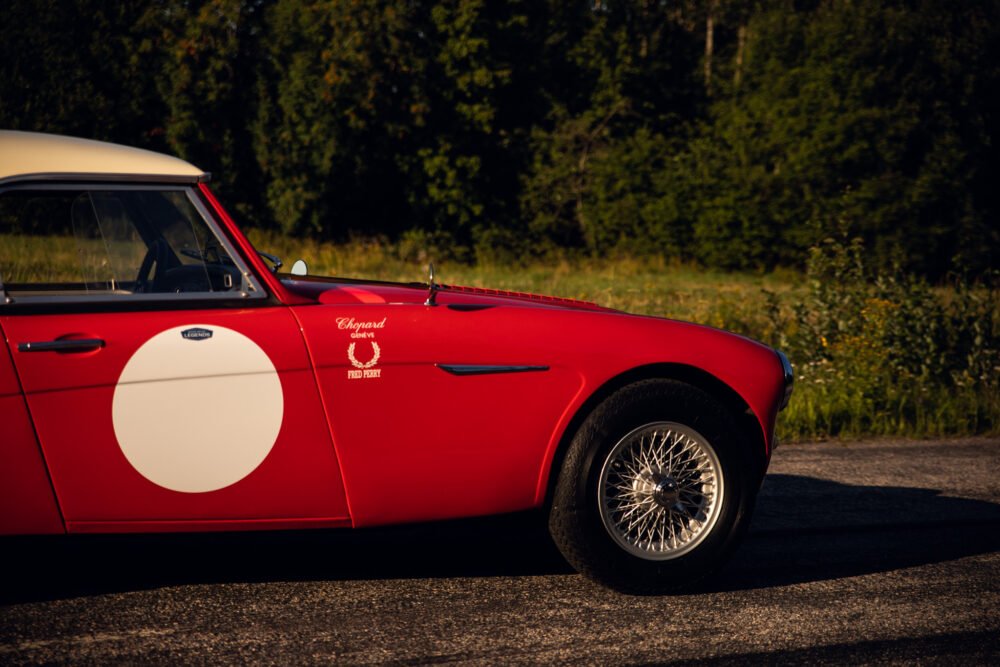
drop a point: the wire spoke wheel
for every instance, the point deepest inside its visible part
(660, 490)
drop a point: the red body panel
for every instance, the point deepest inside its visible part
(418, 443)
(25, 491)
(626, 341)
(70, 399)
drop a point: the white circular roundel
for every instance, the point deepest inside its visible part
(197, 408)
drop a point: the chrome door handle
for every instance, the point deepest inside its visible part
(71, 345)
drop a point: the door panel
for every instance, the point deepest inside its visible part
(27, 504)
(141, 429)
(419, 443)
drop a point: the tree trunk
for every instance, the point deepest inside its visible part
(741, 42)
(709, 44)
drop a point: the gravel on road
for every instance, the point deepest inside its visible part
(882, 551)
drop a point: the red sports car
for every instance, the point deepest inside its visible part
(158, 375)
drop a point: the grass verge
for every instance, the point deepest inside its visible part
(876, 352)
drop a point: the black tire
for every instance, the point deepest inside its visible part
(575, 519)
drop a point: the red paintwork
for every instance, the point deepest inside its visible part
(449, 446)
(539, 298)
(415, 443)
(70, 397)
(25, 491)
(204, 526)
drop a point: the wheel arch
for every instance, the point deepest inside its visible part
(691, 375)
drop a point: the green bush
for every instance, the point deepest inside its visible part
(879, 352)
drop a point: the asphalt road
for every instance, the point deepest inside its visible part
(883, 552)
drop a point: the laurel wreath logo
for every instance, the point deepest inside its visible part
(368, 364)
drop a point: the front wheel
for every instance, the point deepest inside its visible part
(656, 489)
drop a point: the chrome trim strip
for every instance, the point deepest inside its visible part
(90, 177)
(249, 287)
(474, 369)
(789, 377)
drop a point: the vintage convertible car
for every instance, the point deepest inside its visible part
(158, 375)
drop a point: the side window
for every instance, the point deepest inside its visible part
(111, 243)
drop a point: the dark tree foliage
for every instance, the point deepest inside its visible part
(83, 67)
(880, 115)
(735, 133)
(343, 99)
(208, 82)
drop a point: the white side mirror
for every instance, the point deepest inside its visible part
(299, 268)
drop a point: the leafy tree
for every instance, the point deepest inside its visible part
(83, 68)
(480, 118)
(342, 103)
(597, 158)
(732, 132)
(209, 86)
(856, 110)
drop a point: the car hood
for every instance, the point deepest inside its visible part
(564, 332)
(349, 291)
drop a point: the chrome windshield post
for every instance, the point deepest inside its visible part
(4, 297)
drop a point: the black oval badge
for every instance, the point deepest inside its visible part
(196, 334)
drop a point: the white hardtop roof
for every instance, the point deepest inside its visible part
(25, 155)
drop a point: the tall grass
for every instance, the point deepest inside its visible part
(876, 352)
(28, 258)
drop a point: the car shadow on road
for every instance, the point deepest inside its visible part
(804, 529)
(58, 567)
(807, 529)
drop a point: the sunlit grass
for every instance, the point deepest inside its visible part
(861, 377)
(647, 286)
(846, 390)
(25, 258)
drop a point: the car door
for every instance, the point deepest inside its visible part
(167, 389)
